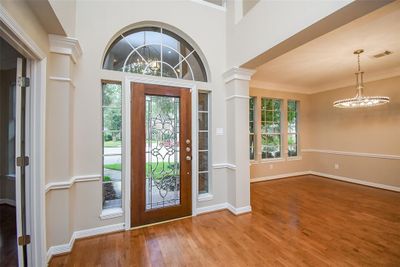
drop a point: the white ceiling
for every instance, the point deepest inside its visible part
(328, 62)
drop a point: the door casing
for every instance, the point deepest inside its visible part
(126, 128)
(12, 32)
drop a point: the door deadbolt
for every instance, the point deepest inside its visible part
(188, 158)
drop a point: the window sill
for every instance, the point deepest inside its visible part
(111, 213)
(272, 160)
(205, 197)
(294, 158)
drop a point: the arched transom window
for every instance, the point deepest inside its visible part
(155, 51)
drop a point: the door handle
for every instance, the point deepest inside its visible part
(188, 158)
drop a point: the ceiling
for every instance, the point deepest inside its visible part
(328, 62)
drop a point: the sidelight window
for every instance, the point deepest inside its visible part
(112, 144)
(203, 126)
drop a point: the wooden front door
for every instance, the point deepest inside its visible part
(161, 148)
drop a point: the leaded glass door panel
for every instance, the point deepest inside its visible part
(161, 153)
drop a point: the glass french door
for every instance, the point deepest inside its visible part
(161, 153)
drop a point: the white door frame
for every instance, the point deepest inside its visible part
(126, 139)
(11, 31)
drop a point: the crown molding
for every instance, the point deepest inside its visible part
(237, 73)
(65, 46)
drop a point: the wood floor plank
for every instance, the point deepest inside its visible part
(299, 221)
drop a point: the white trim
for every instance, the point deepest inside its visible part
(36, 71)
(62, 79)
(238, 211)
(7, 201)
(66, 248)
(205, 197)
(208, 4)
(326, 175)
(237, 96)
(111, 213)
(212, 208)
(20, 35)
(357, 154)
(126, 154)
(294, 158)
(356, 181)
(74, 179)
(65, 46)
(237, 73)
(224, 165)
(270, 160)
(279, 176)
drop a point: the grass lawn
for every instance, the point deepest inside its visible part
(158, 168)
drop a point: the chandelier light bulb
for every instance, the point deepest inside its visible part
(360, 101)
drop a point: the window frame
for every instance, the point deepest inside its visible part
(280, 134)
(255, 124)
(112, 212)
(203, 196)
(296, 133)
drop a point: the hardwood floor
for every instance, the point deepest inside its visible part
(300, 221)
(8, 237)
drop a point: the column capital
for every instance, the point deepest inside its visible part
(65, 45)
(237, 73)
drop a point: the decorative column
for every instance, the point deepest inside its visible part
(64, 52)
(237, 103)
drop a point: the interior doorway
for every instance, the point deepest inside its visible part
(161, 148)
(14, 232)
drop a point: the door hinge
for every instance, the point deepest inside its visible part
(24, 240)
(24, 82)
(22, 161)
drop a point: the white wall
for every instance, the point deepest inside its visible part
(269, 23)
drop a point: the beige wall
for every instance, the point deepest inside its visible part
(373, 130)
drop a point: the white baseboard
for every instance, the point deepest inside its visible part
(7, 201)
(223, 206)
(238, 211)
(356, 181)
(326, 175)
(279, 176)
(66, 248)
(211, 208)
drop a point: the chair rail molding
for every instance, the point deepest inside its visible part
(73, 180)
(355, 154)
(224, 165)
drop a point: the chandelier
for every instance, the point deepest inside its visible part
(360, 101)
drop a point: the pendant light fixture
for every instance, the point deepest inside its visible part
(360, 101)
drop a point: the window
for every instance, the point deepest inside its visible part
(252, 114)
(112, 144)
(270, 128)
(155, 51)
(203, 114)
(292, 128)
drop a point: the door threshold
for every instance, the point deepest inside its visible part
(157, 223)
